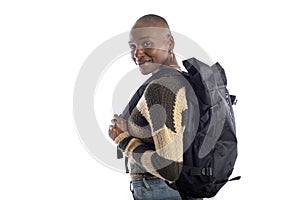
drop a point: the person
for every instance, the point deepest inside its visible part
(152, 137)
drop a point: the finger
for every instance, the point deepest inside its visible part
(117, 117)
(112, 134)
(113, 121)
(110, 127)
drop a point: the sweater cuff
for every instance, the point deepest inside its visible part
(121, 137)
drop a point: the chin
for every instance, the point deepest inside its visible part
(144, 72)
(149, 68)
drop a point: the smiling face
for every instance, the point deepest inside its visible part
(150, 46)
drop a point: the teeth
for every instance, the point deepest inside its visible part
(144, 62)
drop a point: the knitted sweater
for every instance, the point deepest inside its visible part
(154, 140)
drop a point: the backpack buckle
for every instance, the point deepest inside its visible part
(207, 171)
(233, 99)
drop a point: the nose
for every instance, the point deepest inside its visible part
(138, 53)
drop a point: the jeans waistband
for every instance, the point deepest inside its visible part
(146, 182)
(141, 175)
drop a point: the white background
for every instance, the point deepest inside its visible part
(43, 45)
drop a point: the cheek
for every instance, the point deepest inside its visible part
(159, 55)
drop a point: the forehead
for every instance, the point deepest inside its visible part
(147, 32)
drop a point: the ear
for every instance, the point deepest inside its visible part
(172, 43)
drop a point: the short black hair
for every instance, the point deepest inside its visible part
(152, 18)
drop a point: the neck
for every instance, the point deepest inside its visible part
(173, 62)
(175, 66)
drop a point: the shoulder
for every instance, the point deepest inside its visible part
(168, 92)
(166, 86)
(166, 101)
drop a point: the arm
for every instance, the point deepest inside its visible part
(164, 109)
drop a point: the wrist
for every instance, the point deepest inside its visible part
(121, 137)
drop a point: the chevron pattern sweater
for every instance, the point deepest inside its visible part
(154, 140)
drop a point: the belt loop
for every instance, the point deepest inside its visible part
(131, 187)
(146, 184)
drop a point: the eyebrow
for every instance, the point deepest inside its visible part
(142, 38)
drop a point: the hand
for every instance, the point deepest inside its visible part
(119, 125)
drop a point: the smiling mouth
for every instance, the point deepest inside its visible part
(144, 63)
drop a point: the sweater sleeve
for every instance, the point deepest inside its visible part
(164, 107)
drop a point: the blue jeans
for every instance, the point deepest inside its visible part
(153, 189)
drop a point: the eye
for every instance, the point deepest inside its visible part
(132, 46)
(147, 44)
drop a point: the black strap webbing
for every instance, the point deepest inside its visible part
(233, 99)
(235, 178)
(126, 164)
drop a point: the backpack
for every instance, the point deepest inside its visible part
(209, 159)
